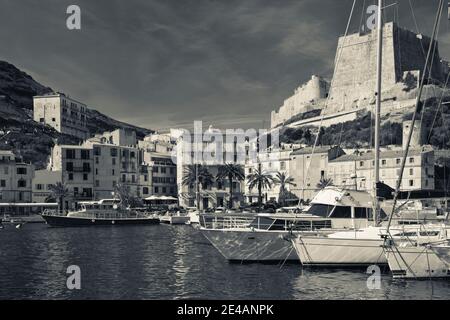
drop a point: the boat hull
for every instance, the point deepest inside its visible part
(64, 221)
(443, 252)
(250, 245)
(415, 262)
(323, 251)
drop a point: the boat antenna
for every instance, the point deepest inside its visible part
(416, 110)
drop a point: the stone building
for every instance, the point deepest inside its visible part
(64, 114)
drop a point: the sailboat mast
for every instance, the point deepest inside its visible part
(378, 107)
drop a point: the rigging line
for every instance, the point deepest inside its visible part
(331, 87)
(417, 27)
(430, 68)
(438, 108)
(362, 16)
(419, 94)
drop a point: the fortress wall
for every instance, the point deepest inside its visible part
(410, 55)
(355, 76)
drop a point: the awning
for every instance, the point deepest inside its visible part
(153, 198)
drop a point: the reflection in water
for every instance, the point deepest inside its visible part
(169, 262)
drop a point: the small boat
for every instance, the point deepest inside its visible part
(174, 218)
(98, 213)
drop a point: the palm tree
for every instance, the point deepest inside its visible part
(261, 180)
(324, 182)
(283, 180)
(59, 192)
(230, 171)
(195, 175)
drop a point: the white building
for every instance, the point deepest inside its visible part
(42, 182)
(64, 114)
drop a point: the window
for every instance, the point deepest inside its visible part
(397, 161)
(145, 190)
(411, 171)
(411, 183)
(41, 119)
(85, 154)
(156, 190)
(97, 183)
(113, 172)
(6, 170)
(132, 154)
(133, 178)
(39, 186)
(163, 170)
(361, 163)
(164, 189)
(123, 178)
(70, 176)
(383, 162)
(85, 176)
(96, 171)
(86, 167)
(113, 153)
(155, 169)
(113, 161)
(411, 160)
(97, 151)
(69, 166)
(96, 160)
(2, 183)
(53, 119)
(21, 170)
(70, 154)
(21, 183)
(426, 182)
(282, 165)
(145, 177)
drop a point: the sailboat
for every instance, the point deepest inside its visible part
(361, 246)
(420, 258)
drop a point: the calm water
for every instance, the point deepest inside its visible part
(169, 262)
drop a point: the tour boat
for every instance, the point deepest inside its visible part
(98, 213)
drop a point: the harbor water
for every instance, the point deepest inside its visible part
(170, 262)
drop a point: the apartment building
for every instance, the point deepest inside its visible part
(61, 112)
(356, 171)
(215, 194)
(118, 137)
(15, 181)
(308, 167)
(76, 164)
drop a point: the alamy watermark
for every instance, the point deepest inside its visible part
(216, 147)
(73, 21)
(374, 280)
(74, 279)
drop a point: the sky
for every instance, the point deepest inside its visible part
(165, 63)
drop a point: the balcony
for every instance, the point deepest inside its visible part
(79, 169)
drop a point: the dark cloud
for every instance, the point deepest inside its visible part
(159, 63)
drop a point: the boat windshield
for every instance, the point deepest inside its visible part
(329, 211)
(321, 210)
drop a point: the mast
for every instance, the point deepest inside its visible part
(378, 108)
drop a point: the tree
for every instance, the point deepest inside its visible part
(231, 172)
(261, 180)
(283, 181)
(59, 191)
(195, 175)
(324, 182)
